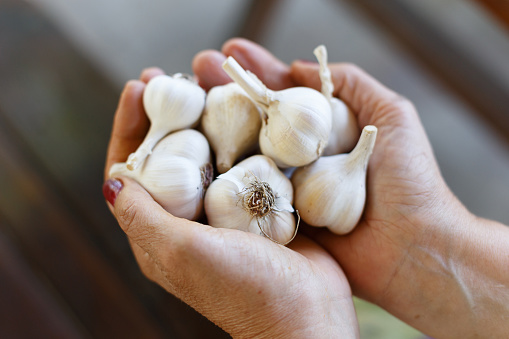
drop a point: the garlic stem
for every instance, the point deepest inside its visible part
(362, 151)
(145, 149)
(254, 88)
(325, 75)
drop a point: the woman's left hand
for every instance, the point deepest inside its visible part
(246, 284)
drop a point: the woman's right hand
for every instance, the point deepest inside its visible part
(417, 251)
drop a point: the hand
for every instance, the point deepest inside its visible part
(417, 251)
(246, 284)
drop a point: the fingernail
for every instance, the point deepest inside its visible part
(111, 189)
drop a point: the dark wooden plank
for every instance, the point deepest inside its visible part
(27, 308)
(464, 74)
(51, 236)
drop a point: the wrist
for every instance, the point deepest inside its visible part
(449, 281)
(313, 316)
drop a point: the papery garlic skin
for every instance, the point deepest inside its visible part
(331, 192)
(345, 130)
(176, 174)
(171, 103)
(296, 122)
(231, 122)
(226, 207)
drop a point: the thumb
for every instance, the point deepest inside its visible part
(143, 220)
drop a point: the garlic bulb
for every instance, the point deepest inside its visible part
(296, 122)
(331, 192)
(254, 196)
(231, 122)
(345, 130)
(176, 174)
(171, 103)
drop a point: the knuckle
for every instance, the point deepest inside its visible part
(398, 107)
(128, 217)
(351, 67)
(401, 103)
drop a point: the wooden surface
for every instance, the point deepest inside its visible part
(66, 270)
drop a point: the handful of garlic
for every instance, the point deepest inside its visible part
(294, 129)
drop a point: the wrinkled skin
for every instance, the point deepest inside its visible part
(417, 252)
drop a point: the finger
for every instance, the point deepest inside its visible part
(207, 66)
(130, 124)
(144, 221)
(272, 72)
(362, 93)
(149, 73)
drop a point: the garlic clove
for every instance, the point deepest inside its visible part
(331, 192)
(176, 174)
(345, 130)
(254, 196)
(231, 122)
(171, 103)
(296, 122)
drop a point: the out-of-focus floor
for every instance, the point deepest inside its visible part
(62, 66)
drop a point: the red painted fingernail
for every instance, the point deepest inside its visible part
(111, 189)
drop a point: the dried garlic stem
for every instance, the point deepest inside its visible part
(254, 88)
(361, 153)
(325, 75)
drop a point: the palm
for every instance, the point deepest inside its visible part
(392, 187)
(400, 182)
(232, 276)
(399, 176)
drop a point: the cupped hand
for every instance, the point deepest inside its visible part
(397, 256)
(246, 284)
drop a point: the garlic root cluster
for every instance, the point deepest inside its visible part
(253, 196)
(297, 130)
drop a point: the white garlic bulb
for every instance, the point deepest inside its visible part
(345, 130)
(171, 103)
(253, 196)
(231, 122)
(296, 122)
(176, 174)
(331, 192)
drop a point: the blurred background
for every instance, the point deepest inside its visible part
(66, 270)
